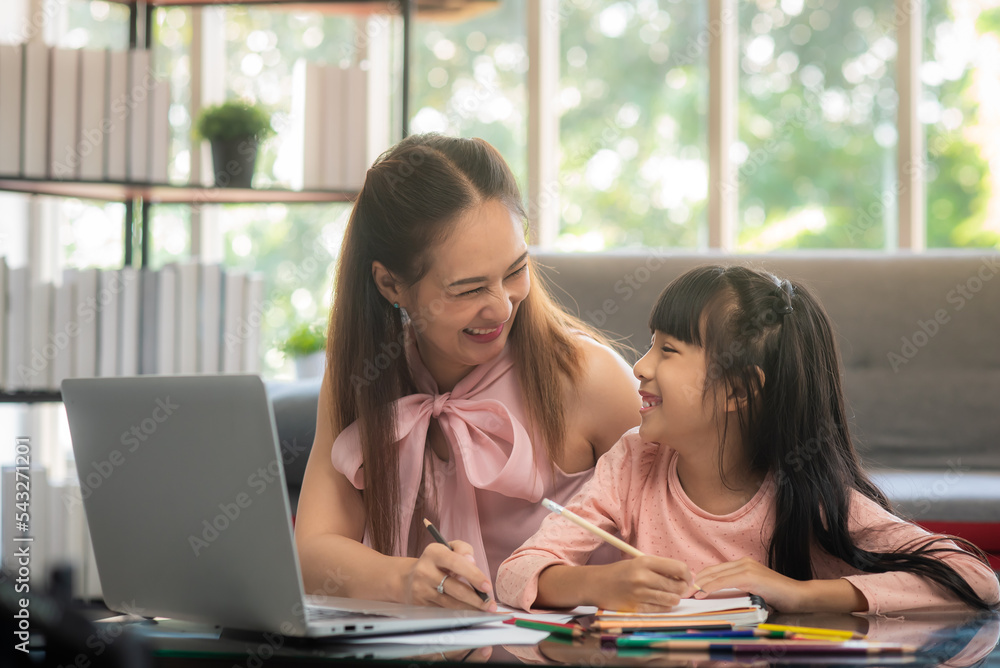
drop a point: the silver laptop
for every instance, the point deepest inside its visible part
(184, 490)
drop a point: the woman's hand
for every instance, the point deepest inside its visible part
(422, 577)
(781, 592)
(643, 584)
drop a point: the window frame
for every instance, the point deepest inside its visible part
(909, 230)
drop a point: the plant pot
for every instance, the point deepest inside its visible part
(233, 161)
(310, 366)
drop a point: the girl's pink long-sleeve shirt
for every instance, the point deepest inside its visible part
(635, 492)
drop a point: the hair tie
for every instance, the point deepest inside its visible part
(783, 298)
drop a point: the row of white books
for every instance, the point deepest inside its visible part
(185, 318)
(338, 124)
(57, 523)
(82, 114)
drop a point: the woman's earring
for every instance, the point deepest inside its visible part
(395, 304)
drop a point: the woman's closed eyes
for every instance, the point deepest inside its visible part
(476, 291)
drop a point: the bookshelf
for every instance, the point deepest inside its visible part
(434, 10)
(144, 195)
(30, 397)
(138, 197)
(170, 194)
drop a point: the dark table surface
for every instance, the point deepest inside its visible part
(952, 639)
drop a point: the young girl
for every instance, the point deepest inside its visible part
(742, 475)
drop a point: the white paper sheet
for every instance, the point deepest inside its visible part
(493, 633)
(692, 606)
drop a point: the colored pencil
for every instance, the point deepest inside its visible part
(597, 531)
(688, 635)
(570, 630)
(789, 646)
(735, 633)
(657, 625)
(439, 538)
(808, 630)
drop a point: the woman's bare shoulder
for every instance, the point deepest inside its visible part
(606, 396)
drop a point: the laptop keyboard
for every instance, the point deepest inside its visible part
(321, 614)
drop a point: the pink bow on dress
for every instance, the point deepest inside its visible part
(490, 448)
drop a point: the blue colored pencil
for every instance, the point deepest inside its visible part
(684, 635)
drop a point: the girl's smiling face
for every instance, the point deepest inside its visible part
(675, 409)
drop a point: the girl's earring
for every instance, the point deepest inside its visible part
(395, 305)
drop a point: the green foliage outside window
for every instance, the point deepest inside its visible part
(633, 99)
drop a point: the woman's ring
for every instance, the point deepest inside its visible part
(440, 587)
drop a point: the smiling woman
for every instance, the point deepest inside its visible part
(455, 388)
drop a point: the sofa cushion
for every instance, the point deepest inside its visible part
(955, 494)
(940, 419)
(294, 405)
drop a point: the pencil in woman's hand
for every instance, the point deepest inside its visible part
(439, 538)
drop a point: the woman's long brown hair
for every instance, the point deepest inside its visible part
(410, 200)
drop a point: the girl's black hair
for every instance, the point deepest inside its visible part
(771, 339)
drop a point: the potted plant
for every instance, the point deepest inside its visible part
(235, 129)
(306, 345)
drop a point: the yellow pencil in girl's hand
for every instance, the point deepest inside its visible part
(597, 531)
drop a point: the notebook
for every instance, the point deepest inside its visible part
(183, 486)
(720, 609)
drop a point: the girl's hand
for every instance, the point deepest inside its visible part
(422, 576)
(746, 574)
(643, 584)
